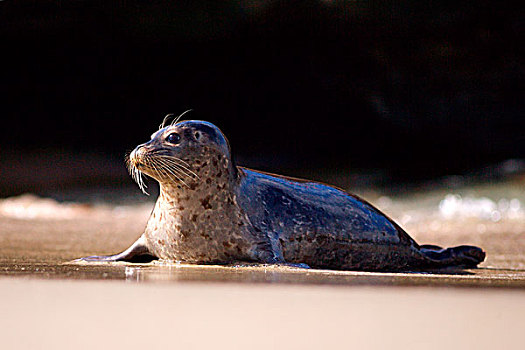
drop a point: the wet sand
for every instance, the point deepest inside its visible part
(48, 302)
(112, 315)
(38, 237)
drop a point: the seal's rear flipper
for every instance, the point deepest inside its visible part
(461, 256)
(137, 253)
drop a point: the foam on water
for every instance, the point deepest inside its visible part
(456, 206)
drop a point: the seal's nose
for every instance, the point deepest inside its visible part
(137, 154)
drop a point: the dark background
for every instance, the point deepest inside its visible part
(413, 89)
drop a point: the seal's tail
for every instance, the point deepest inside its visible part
(461, 256)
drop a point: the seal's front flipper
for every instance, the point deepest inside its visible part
(137, 253)
(462, 256)
(296, 265)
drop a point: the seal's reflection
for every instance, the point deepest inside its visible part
(213, 273)
(257, 273)
(132, 274)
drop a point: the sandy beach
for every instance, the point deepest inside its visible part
(50, 303)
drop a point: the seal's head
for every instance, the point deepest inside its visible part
(182, 154)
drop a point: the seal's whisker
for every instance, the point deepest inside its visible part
(141, 183)
(178, 160)
(180, 116)
(188, 172)
(160, 171)
(174, 177)
(178, 171)
(136, 175)
(162, 153)
(165, 120)
(131, 171)
(179, 163)
(158, 167)
(174, 173)
(173, 161)
(155, 169)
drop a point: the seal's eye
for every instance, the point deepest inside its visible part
(173, 138)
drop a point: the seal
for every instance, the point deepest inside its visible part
(209, 211)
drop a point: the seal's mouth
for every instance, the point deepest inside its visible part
(137, 156)
(160, 166)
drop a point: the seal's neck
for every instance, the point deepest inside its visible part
(213, 187)
(214, 184)
(210, 187)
